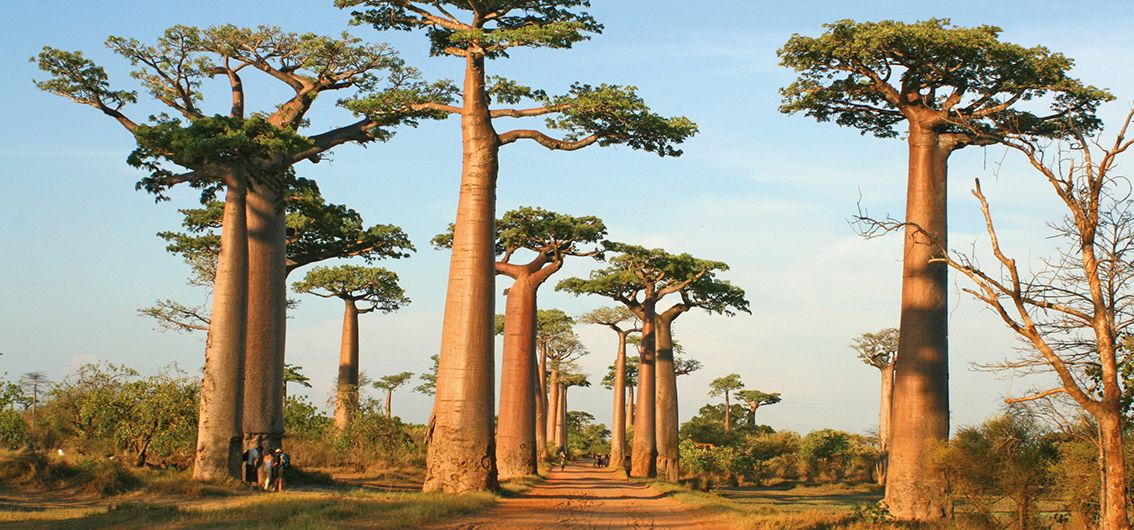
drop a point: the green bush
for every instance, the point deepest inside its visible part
(13, 430)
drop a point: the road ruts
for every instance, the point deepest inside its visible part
(585, 497)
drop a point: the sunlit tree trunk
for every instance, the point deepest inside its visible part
(885, 408)
(462, 452)
(727, 413)
(553, 402)
(920, 422)
(267, 317)
(666, 402)
(618, 421)
(389, 402)
(222, 391)
(1114, 501)
(561, 421)
(515, 434)
(346, 395)
(541, 406)
(630, 410)
(642, 459)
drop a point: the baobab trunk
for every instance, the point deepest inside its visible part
(645, 451)
(630, 410)
(462, 452)
(553, 404)
(665, 397)
(346, 395)
(222, 390)
(267, 317)
(920, 422)
(389, 400)
(541, 406)
(1114, 500)
(561, 423)
(884, 411)
(618, 421)
(515, 434)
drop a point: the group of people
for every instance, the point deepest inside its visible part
(600, 460)
(265, 468)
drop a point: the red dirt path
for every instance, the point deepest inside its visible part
(585, 497)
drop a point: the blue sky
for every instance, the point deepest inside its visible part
(765, 192)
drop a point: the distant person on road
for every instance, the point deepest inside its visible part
(562, 458)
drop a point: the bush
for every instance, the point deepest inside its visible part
(13, 430)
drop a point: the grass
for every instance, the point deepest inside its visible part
(283, 511)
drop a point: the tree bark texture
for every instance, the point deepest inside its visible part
(553, 404)
(618, 421)
(645, 451)
(884, 411)
(222, 390)
(727, 414)
(920, 422)
(1114, 514)
(561, 423)
(346, 395)
(267, 318)
(541, 407)
(630, 410)
(665, 396)
(389, 401)
(516, 432)
(462, 452)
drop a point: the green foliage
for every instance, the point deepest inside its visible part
(13, 429)
(489, 28)
(372, 438)
(304, 420)
(631, 374)
(874, 75)
(109, 409)
(392, 382)
(724, 386)
(617, 115)
(708, 426)
(878, 349)
(548, 233)
(584, 436)
(374, 286)
(428, 384)
(1008, 455)
(79, 79)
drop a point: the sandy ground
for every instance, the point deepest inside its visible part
(585, 497)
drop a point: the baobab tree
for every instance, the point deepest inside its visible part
(712, 295)
(725, 386)
(248, 156)
(461, 457)
(390, 383)
(569, 376)
(631, 378)
(623, 322)
(376, 289)
(552, 237)
(951, 87)
(638, 278)
(1075, 311)
(316, 231)
(755, 399)
(562, 350)
(32, 382)
(880, 350)
(552, 325)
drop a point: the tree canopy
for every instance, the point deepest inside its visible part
(374, 286)
(725, 385)
(877, 349)
(874, 75)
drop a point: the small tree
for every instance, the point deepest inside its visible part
(554, 331)
(880, 350)
(755, 399)
(724, 386)
(377, 289)
(294, 374)
(428, 379)
(390, 383)
(33, 382)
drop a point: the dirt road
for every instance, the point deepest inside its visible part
(585, 497)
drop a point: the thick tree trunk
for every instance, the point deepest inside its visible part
(920, 423)
(389, 401)
(515, 434)
(630, 410)
(462, 452)
(541, 407)
(346, 395)
(884, 408)
(727, 414)
(1114, 500)
(561, 421)
(222, 390)
(553, 404)
(645, 450)
(267, 317)
(618, 421)
(666, 407)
